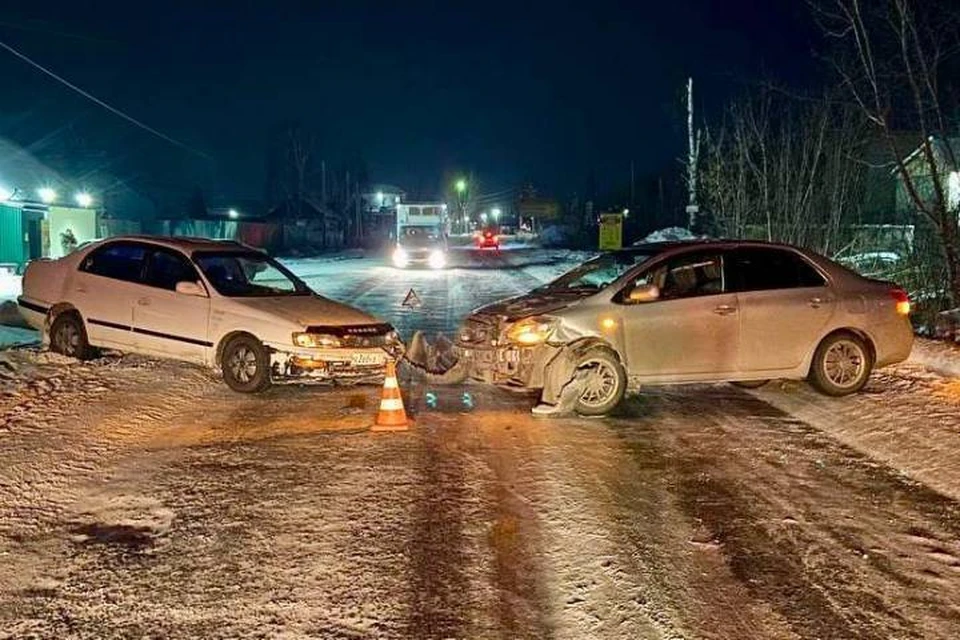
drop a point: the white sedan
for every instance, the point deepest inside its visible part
(215, 303)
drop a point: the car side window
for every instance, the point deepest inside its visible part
(119, 261)
(166, 268)
(685, 276)
(760, 269)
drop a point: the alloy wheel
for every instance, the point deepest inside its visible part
(243, 364)
(601, 384)
(843, 364)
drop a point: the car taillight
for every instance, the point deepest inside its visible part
(489, 235)
(902, 301)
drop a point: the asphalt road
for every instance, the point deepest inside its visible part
(142, 499)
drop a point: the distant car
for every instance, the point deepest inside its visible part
(219, 304)
(488, 239)
(744, 312)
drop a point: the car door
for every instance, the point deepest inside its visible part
(690, 330)
(785, 304)
(104, 290)
(165, 322)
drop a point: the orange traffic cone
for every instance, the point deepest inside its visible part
(391, 416)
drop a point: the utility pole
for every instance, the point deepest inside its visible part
(323, 181)
(693, 157)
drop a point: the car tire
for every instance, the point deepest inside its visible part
(749, 384)
(841, 365)
(605, 386)
(68, 336)
(245, 364)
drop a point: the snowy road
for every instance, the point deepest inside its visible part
(143, 499)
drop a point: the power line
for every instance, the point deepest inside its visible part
(100, 102)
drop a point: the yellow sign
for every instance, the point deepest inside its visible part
(611, 231)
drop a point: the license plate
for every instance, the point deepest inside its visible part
(368, 359)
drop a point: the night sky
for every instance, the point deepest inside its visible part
(545, 92)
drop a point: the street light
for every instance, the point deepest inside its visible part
(84, 199)
(47, 195)
(483, 217)
(495, 212)
(626, 213)
(233, 213)
(380, 197)
(461, 185)
(5, 194)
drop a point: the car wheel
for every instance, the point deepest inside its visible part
(841, 365)
(749, 384)
(246, 365)
(68, 337)
(604, 383)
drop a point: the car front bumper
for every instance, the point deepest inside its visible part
(341, 365)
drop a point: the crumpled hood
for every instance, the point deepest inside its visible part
(533, 303)
(308, 310)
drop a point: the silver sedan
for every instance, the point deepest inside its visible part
(709, 311)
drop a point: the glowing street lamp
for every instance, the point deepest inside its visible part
(626, 213)
(461, 185)
(483, 216)
(5, 194)
(495, 212)
(233, 213)
(47, 195)
(380, 197)
(84, 199)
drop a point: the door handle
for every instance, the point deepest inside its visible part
(144, 302)
(725, 310)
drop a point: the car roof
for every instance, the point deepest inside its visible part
(718, 243)
(185, 244)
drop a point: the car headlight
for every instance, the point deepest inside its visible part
(531, 331)
(400, 257)
(316, 340)
(437, 259)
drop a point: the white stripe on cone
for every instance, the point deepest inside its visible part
(390, 383)
(391, 404)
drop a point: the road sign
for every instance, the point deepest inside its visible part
(611, 231)
(412, 300)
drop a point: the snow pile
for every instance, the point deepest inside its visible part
(10, 285)
(940, 357)
(669, 234)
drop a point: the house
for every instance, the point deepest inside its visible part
(946, 159)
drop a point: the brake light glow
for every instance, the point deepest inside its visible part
(902, 301)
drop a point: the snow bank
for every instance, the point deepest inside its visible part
(669, 234)
(10, 285)
(940, 357)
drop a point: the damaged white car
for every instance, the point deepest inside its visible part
(706, 311)
(215, 303)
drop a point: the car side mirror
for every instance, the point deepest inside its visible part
(644, 293)
(188, 288)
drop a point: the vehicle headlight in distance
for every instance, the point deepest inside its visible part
(531, 331)
(400, 257)
(438, 259)
(316, 340)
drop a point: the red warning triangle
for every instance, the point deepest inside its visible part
(411, 300)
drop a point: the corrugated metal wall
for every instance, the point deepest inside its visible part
(11, 235)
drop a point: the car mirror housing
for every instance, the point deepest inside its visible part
(188, 288)
(644, 293)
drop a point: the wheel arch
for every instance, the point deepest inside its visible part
(222, 343)
(559, 371)
(860, 333)
(57, 310)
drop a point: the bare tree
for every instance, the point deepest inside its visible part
(784, 169)
(889, 56)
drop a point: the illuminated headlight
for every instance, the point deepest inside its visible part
(400, 257)
(316, 340)
(531, 331)
(438, 259)
(391, 338)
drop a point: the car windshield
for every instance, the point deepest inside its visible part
(247, 274)
(419, 236)
(599, 272)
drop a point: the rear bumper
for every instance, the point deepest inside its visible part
(892, 341)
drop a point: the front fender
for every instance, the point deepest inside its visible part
(561, 368)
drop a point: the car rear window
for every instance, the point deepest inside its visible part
(120, 261)
(766, 269)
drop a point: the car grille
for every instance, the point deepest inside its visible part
(357, 336)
